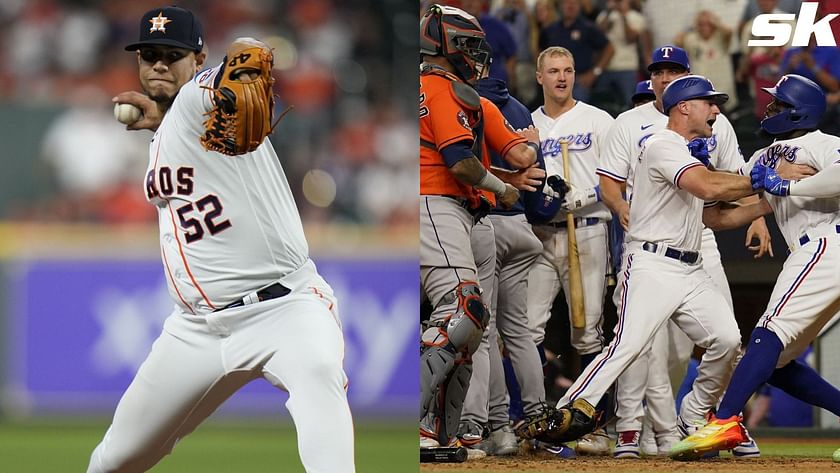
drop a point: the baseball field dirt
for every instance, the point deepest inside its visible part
(792, 455)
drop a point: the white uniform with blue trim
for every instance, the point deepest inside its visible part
(585, 128)
(810, 279)
(666, 224)
(648, 378)
(229, 228)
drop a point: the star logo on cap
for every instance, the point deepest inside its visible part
(159, 23)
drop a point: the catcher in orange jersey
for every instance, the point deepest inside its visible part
(457, 189)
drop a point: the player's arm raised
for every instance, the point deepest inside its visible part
(714, 185)
(151, 112)
(519, 149)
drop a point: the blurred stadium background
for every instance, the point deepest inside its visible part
(82, 294)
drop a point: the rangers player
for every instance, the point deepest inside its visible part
(249, 303)
(456, 190)
(808, 288)
(663, 278)
(584, 127)
(616, 169)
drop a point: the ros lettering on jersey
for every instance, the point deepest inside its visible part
(196, 218)
(162, 184)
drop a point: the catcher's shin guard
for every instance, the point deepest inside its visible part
(445, 363)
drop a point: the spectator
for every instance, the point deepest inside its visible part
(754, 8)
(332, 61)
(514, 14)
(821, 64)
(625, 29)
(707, 46)
(501, 41)
(666, 19)
(763, 71)
(743, 71)
(588, 44)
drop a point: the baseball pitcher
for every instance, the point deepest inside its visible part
(249, 303)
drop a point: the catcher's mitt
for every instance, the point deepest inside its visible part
(244, 100)
(553, 426)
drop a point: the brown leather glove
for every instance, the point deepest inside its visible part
(244, 100)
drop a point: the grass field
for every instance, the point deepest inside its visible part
(777, 455)
(218, 447)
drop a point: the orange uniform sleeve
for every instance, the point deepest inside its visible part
(499, 135)
(445, 121)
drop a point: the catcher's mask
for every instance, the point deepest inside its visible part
(456, 35)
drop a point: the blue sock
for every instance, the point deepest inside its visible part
(754, 369)
(802, 382)
(687, 382)
(515, 409)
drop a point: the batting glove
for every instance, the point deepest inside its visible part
(763, 177)
(699, 149)
(579, 198)
(555, 187)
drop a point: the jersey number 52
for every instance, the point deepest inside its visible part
(209, 209)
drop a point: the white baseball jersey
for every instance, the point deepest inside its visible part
(624, 145)
(656, 288)
(228, 224)
(808, 282)
(585, 128)
(228, 228)
(797, 215)
(632, 128)
(670, 215)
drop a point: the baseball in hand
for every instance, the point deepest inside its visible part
(126, 113)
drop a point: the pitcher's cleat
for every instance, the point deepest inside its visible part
(717, 435)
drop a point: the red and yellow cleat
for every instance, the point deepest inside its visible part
(718, 434)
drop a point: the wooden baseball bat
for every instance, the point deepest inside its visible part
(575, 277)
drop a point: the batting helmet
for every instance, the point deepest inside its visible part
(691, 88)
(456, 35)
(806, 102)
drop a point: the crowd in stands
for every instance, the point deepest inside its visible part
(612, 39)
(345, 67)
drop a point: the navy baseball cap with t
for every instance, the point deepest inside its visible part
(169, 26)
(643, 91)
(669, 55)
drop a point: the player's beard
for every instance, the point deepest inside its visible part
(163, 99)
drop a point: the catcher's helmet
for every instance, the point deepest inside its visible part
(806, 102)
(456, 35)
(690, 88)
